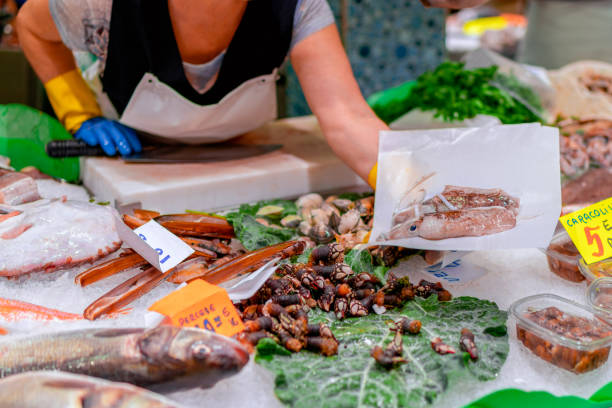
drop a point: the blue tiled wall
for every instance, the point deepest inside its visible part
(387, 41)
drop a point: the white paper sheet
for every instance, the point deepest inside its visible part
(162, 249)
(522, 160)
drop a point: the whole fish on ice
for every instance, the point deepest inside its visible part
(55, 389)
(47, 235)
(182, 357)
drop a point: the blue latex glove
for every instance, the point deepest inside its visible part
(111, 135)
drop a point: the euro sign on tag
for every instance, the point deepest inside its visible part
(591, 230)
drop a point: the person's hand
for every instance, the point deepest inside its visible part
(453, 4)
(112, 136)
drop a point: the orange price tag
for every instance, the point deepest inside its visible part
(591, 230)
(203, 305)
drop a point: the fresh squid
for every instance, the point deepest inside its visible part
(456, 212)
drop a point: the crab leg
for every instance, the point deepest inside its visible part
(127, 260)
(244, 264)
(127, 292)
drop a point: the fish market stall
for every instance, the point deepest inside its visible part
(454, 285)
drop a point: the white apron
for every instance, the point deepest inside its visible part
(159, 110)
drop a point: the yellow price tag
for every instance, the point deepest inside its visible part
(591, 230)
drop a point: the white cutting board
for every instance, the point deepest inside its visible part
(304, 164)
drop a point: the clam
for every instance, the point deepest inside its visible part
(365, 206)
(320, 216)
(349, 221)
(343, 204)
(309, 201)
(270, 211)
(334, 221)
(321, 233)
(291, 221)
(329, 209)
(304, 228)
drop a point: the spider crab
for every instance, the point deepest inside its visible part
(214, 259)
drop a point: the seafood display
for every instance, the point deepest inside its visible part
(574, 340)
(184, 356)
(54, 389)
(47, 235)
(335, 218)
(279, 310)
(585, 143)
(214, 260)
(455, 212)
(208, 236)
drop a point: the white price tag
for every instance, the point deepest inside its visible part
(157, 245)
(456, 272)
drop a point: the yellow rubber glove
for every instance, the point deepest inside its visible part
(72, 100)
(372, 176)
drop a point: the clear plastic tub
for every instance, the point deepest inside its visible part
(599, 298)
(601, 269)
(563, 257)
(562, 332)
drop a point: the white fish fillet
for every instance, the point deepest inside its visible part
(17, 188)
(52, 234)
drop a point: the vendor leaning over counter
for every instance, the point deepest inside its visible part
(198, 71)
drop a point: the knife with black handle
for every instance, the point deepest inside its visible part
(166, 153)
(72, 148)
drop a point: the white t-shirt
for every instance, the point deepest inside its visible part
(84, 26)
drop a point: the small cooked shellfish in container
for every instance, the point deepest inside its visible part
(562, 332)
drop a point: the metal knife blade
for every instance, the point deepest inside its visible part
(200, 154)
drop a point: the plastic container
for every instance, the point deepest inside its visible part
(601, 269)
(599, 298)
(563, 257)
(562, 332)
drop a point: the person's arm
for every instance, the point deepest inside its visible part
(349, 125)
(73, 102)
(41, 42)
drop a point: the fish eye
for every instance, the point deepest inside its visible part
(200, 350)
(413, 228)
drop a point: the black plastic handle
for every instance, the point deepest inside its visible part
(72, 148)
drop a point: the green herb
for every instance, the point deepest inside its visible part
(254, 235)
(456, 94)
(354, 379)
(520, 91)
(361, 261)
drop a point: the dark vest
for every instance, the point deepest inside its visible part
(141, 40)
